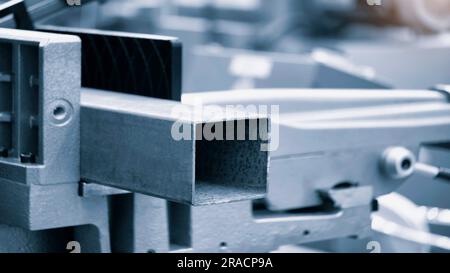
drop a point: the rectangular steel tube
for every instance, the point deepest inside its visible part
(128, 142)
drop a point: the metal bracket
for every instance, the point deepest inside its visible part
(138, 64)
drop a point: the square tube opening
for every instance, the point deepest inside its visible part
(233, 165)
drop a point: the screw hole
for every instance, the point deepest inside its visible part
(223, 244)
(306, 233)
(406, 164)
(59, 112)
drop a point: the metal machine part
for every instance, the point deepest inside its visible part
(267, 231)
(201, 177)
(396, 62)
(319, 129)
(402, 222)
(399, 226)
(47, 183)
(398, 162)
(216, 68)
(433, 171)
(142, 133)
(140, 64)
(39, 106)
(338, 150)
(92, 210)
(239, 227)
(28, 11)
(40, 133)
(18, 10)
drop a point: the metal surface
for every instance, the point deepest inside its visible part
(210, 68)
(237, 227)
(145, 188)
(140, 64)
(139, 224)
(18, 10)
(93, 190)
(127, 142)
(34, 10)
(398, 162)
(41, 99)
(40, 106)
(326, 131)
(397, 62)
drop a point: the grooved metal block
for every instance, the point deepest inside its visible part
(39, 107)
(132, 63)
(128, 142)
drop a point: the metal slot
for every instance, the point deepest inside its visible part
(179, 225)
(26, 103)
(5, 99)
(19, 103)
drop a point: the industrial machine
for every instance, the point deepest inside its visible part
(226, 140)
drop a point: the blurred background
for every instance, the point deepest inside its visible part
(397, 44)
(367, 44)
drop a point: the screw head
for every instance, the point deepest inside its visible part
(398, 162)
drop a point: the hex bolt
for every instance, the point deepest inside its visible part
(28, 158)
(398, 162)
